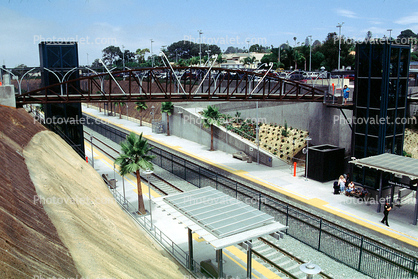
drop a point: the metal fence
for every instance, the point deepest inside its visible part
(179, 254)
(346, 246)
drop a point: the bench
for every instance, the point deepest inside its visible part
(240, 155)
(207, 268)
(358, 192)
(109, 182)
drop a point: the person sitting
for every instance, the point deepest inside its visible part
(364, 193)
(350, 189)
(356, 192)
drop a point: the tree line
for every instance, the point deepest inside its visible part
(186, 53)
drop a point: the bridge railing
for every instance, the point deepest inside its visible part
(184, 84)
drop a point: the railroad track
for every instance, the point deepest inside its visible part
(269, 254)
(163, 186)
(274, 257)
(335, 240)
(158, 183)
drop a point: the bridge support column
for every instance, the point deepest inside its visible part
(7, 93)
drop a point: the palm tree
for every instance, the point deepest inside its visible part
(120, 105)
(134, 157)
(141, 54)
(211, 116)
(140, 106)
(167, 107)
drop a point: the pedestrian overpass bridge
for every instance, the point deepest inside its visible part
(173, 84)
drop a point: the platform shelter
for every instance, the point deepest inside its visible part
(220, 220)
(397, 165)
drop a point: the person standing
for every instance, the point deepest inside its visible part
(346, 94)
(341, 182)
(386, 213)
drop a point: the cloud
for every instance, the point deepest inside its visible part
(408, 20)
(375, 22)
(346, 13)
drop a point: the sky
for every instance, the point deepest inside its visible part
(130, 24)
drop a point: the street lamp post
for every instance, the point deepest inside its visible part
(308, 139)
(152, 123)
(257, 137)
(208, 52)
(148, 173)
(152, 56)
(339, 43)
(92, 158)
(310, 53)
(390, 34)
(123, 185)
(123, 57)
(200, 47)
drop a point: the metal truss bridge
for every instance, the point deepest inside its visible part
(178, 84)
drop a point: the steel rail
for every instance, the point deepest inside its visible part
(142, 177)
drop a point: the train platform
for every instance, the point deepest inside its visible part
(280, 179)
(169, 229)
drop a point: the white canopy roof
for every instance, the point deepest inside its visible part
(220, 219)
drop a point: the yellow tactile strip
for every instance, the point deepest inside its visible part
(322, 205)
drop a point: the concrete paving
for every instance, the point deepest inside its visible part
(280, 178)
(234, 258)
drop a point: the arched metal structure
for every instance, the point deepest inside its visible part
(161, 84)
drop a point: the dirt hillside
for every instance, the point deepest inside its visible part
(29, 243)
(102, 239)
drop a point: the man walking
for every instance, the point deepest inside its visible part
(386, 213)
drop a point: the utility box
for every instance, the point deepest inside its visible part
(325, 162)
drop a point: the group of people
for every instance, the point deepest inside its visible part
(343, 183)
(346, 186)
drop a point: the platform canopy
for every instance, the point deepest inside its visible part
(218, 218)
(391, 163)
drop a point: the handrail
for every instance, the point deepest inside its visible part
(406, 263)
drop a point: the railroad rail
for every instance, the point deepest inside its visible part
(158, 183)
(286, 254)
(165, 188)
(365, 254)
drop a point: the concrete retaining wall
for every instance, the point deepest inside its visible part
(326, 125)
(7, 95)
(187, 124)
